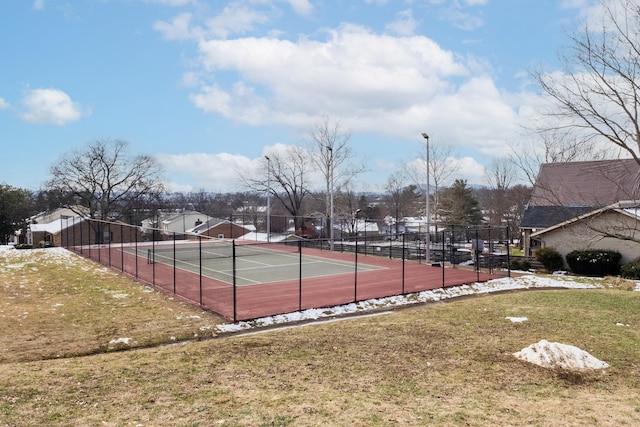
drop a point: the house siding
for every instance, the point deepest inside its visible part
(582, 235)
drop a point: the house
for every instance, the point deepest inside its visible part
(45, 226)
(355, 228)
(220, 228)
(565, 191)
(614, 227)
(170, 224)
(80, 231)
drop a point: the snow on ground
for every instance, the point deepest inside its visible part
(528, 281)
(556, 355)
(543, 353)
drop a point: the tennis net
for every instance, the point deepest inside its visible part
(192, 252)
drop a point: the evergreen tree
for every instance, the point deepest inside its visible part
(14, 210)
(458, 206)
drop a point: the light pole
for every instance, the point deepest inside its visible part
(268, 198)
(330, 148)
(428, 240)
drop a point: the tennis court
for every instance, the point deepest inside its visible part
(248, 264)
(242, 281)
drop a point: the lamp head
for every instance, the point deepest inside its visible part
(425, 136)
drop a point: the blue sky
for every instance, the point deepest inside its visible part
(208, 87)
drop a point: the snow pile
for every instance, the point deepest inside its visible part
(124, 341)
(517, 319)
(556, 355)
(435, 295)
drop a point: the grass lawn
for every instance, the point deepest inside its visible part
(441, 364)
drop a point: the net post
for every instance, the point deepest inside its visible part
(174, 262)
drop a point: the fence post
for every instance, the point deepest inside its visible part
(299, 275)
(235, 288)
(403, 241)
(442, 263)
(174, 262)
(508, 252)
(355, 276)
(109, 242)
(200, 265)
(477, 257)
(121, 248)
(153, 258)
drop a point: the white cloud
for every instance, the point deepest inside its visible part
(4, 104)
(353, 72)
(471, 170)
(50, 106)
(38, 5)
(301, 7)
(235, 18)
(173, 3)
(404, 24)
(179, 28)
(210, 171)
(392, 86)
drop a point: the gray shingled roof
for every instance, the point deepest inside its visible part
(567, 190)
(539, 217)
(593, 183)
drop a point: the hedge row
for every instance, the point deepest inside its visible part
(594, 262)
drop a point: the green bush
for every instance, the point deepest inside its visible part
(631, 270)
(22, 246)
(520, 264)
(594, 262)
(550, 259)
(43, 244)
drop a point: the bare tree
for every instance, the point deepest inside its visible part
(553, 145)
(284, 177)
(505, 205)
(596, 96)
(401, 198)
(333, 158)
(443, 164)
(594, 100)
(105, 180)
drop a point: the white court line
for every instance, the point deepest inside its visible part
(307, 260)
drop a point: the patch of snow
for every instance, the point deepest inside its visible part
(119, 295)
(517, 319)
(508, 283)
(557, 355)
(124, 341)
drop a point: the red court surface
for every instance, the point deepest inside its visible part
(236, 303)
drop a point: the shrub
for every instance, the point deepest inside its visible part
(520, 264)
(594, 262)
(550, 259)
(22, 246)
(631, 270)
(44, 244)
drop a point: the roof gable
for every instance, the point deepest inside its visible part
(627, 208)
(593, 183)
